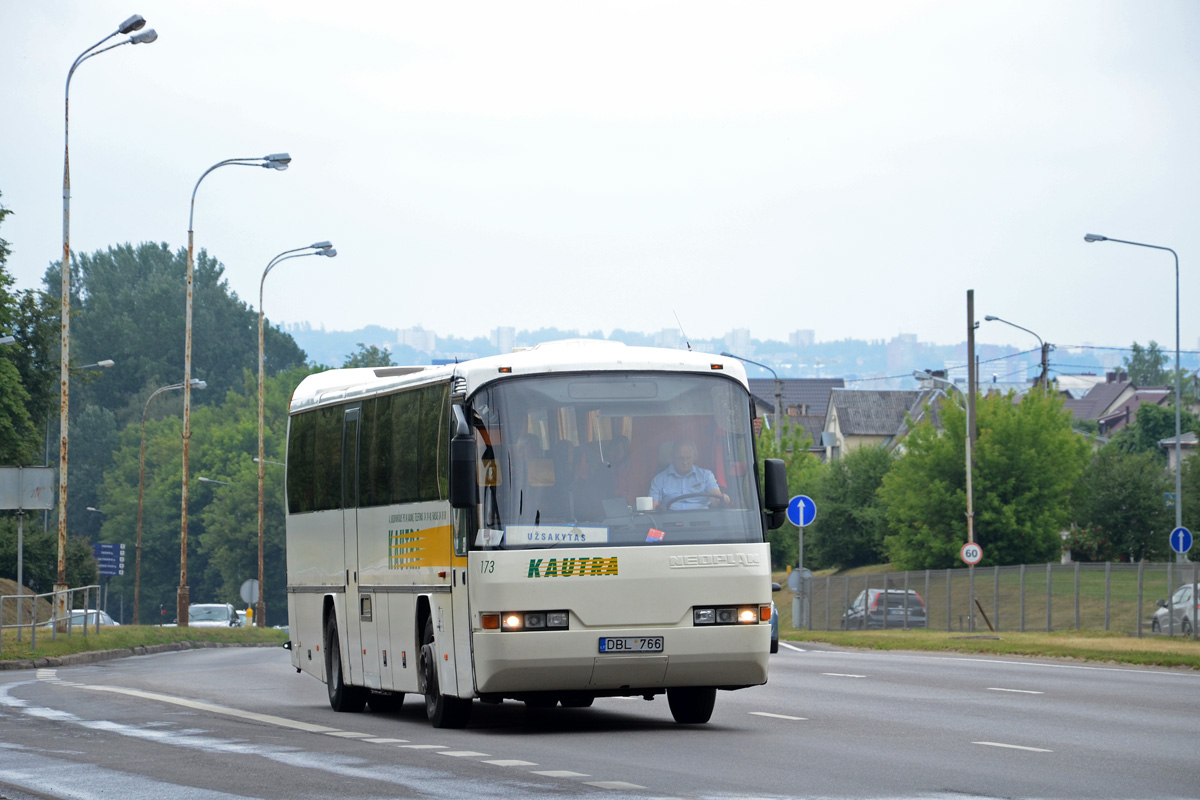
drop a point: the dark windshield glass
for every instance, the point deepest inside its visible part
(611, 458)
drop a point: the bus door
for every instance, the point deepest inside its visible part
(354, 647)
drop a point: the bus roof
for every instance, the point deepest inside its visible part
(564, 356)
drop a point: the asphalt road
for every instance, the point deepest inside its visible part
(228, 723)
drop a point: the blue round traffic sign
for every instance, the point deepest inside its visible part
(1181, 540)
(801, 511)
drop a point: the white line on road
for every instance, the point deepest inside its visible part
(775, 716)
(424, 746)
(462, 753)
(560, 773)
(511, 762)
(269, 719)
(842, 675)
(386, 741)
(792, 647)
(347, 734)
(613, 785)
(1017, 691)
(1014, 747)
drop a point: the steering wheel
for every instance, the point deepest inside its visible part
(693, 495)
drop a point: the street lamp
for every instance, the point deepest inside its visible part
(317, 249)
(203, 479)
(277, 161)
(1093, 237)
(137, 569)
(7, 339)
(778, 393)
(105, 364)
(134, 23)
(1044, 346)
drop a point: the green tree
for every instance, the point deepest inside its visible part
(222, 520)
(1027, 460)
(1119, 508)
(1151, 425)
(369, 356)
(852, 524)
(803, 471)
(17, 431)
(40, 565)
(1144, 365)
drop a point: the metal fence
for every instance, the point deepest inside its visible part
(32, 617)
(1050, 597)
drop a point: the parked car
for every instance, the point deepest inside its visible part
(212, 615)
(1184, 608)
(879, 608)
(78, 618)
(241, 615)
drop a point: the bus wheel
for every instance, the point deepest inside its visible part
(692, 705)
(443, 711)
(341, 696)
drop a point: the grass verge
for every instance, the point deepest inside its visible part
(126, 637)
(1118, 648)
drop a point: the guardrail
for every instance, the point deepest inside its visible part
(29, 601)
(1074, 596)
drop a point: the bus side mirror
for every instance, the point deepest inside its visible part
(776, 491)
(463, 486)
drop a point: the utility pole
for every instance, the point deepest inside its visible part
(972, 390)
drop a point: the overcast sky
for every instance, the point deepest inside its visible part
(850, 168)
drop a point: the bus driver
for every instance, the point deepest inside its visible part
(682, 478)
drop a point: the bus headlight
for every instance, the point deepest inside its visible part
(526, 620)
(727, 615)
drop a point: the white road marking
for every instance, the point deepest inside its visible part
(347, 734)
(511, 762)
(775, 716)
(462, 753)
(560, 773)
(424, 746)
(1017, 691)
(893, 654)
(792, 647)
(385, 741)
(269, 719)
(613, 785)
(842, 675)
(45, 674)
(1014, 747)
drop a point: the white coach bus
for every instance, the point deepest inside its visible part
(488, 530)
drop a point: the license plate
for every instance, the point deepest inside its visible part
(631, 644)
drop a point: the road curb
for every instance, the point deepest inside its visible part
(94, 656)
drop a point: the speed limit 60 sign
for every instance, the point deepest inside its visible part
(971, 553)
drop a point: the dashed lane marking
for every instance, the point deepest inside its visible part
(775, 716)
(385, 741)
(1014, 747)
(424, 746)
(613, 785)
(1016, 691)
(560, 773)
(462, 753)
(793, 647)
(511, 762)
(842, 675)
(347, 734)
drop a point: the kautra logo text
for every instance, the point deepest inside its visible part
(571, 567)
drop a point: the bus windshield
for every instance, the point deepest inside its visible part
(634, 459)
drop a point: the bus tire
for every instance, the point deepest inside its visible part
(692, 705)
(442, 710)
(341, 696)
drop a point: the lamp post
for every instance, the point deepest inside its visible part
(134, 23)
(317, 249)
(203, 479)
(277, 161)
(7, 340)
(137, 568)
(1093, 237)
(778, 393)
(1044, 346)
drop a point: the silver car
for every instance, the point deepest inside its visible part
(1182, 609)
(212, 615)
